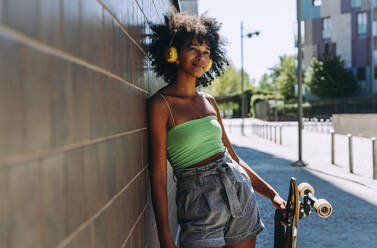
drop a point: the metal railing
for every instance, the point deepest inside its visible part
(351, 153)
(273, 132)
(318, 125)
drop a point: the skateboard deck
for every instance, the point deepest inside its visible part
(286, 221)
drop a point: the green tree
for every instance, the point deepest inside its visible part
(267, 83)
(285, 76)
(229, 83)
(327, 78)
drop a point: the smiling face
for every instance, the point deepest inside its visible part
(194, 58)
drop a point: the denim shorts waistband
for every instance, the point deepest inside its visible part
(188, 172)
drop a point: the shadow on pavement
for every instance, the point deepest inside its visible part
(352, 224)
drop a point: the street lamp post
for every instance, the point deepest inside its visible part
(249, 35)
(299, 162)
(272, 69)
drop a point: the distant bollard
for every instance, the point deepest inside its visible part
(281, 135)
(275, 134)
(374, 158)
(317, 126)
(271, 135)
(332, 147)
(321, 124)
(350, 155)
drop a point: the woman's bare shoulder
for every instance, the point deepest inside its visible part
(156, 102)
(209, 97)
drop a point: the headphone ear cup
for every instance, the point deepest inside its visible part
(171, 54)
(209, 65)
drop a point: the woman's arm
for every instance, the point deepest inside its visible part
(158, 118)
(259, 185)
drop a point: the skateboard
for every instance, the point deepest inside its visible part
(286, 221)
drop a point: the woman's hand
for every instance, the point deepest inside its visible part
(278, 202)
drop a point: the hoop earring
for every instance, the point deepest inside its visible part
(209, 65)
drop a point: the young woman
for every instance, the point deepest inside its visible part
(215, 197)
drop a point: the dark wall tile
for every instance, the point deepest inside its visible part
(150, 229)
(107, 166)
(107, 232)
(41, 109)
(138, 237)
(3, 206)
(74, 192)
(96, 192)
(128, 158)
(144, 147)
(53, 181)
(12, 100)
(82, 239)
(23, 206)
(133, 201)
(22, 18)
(85, 30)
(49, 22)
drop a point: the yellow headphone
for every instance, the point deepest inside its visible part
(209, 65)
(171, 55)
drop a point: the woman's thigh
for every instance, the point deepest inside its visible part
(246, 244)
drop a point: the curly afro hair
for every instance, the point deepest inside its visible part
(177, 28)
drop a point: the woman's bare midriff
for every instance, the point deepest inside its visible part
(207, 160)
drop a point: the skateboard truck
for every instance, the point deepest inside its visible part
(286, 236)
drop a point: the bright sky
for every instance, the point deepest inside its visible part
(275, 19)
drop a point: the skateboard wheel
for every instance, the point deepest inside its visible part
(304, 189)
(323, 208)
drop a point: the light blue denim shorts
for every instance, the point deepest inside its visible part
(216, 205)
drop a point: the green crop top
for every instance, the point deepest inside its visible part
(193, 141)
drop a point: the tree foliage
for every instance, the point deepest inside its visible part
(267, 83)
(282, 78)
(229, 83)
(327, 78)
(286, 77)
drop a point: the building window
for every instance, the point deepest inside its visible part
(355, 3)
(375, 57)
(375, 72)
(374, 3)
(362, 23)
(374, 28)
(361, 74)
(316, 3)
(326, 28)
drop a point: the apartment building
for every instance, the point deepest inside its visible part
(344, 28)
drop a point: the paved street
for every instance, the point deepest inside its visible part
(353, 196)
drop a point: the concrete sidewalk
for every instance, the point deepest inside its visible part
(353, 196)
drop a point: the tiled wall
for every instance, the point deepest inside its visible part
(74, 82)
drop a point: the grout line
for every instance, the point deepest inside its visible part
(20, 37)
(155, 8)
(134, 226)
(142, 11)
(121, 27)
(68, 239)
(18, 159)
